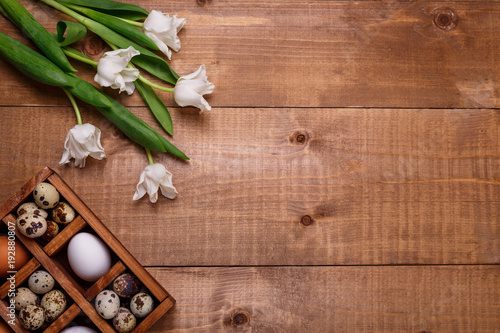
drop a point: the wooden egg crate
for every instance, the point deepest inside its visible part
(52, 258)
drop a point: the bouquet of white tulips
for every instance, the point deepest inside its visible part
(131, 49)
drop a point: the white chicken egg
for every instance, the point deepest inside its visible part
(88, 256)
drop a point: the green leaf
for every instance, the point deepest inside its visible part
(156, 66)
(115, 8)
(137, 130)
(156, 106)
(4, 13)
(86, 92)
(118, 25)
(37, 33)
(75, 54)
(74, 32)
(31, 63)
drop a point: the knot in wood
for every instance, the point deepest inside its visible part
(306, 220)
(203, 2)
(240, 319)
(445, 19)
(93, 45)
(299, 137)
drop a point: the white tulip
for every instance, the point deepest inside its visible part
(163, 30)
(189, 89)
(82, 141)
(112, 70)
(152, 178)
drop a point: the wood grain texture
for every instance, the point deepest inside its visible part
(332, 299)
(318, 53)
(345, 137)
(382, 186)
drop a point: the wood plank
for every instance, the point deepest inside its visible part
(23, 192)
(4, 313)
(53, 247)
(62, 321)
(22, 275)
(382, 186)
(317, 53)
(104, 281)
(327, 299)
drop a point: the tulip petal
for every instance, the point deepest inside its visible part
(82, 141)
(153, 178)
(190, 89)
(163, 29)
(112, 70)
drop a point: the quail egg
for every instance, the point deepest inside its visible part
(63, 213)
(46, 195)
(32, 317)
(126, 285)
(54, 303)
(24, 297)
(107, 304)
(50, 233)
(31, 207)
(41, 282)
(31, 225)
(141, 305)
(124, 321)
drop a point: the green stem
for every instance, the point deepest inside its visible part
(75, 107)
(83, 9)
(150, 157)
(82, 59)
(66, 10)
(154, 85)
(111, 45)
(137, 24)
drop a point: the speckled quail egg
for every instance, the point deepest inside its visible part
(63, 213)
(41, 282)
(54, 303)
(126, 285)
(50, 233)
(31, 225)
(107, 304)
(124, 321)
(31, 207)
(141, 305)
(32, 317)
(24, 297)
(46, 195)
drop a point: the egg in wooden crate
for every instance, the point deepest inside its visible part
(96, 283)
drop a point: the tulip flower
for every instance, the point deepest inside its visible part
(82, 140)
(190, 89)
(154, 177)
(162, 29)
(112, 70)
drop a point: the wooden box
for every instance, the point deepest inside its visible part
(51, 258)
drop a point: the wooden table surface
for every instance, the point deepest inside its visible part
(347, 178)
